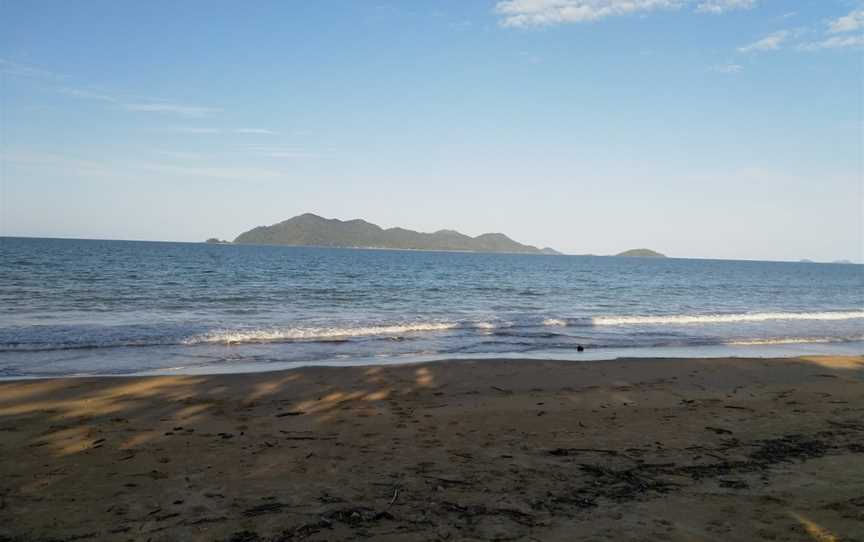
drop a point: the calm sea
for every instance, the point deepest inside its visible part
(70, 307)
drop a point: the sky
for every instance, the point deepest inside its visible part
(699, 128)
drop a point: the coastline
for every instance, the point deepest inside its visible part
(630, 449)
(226, 359)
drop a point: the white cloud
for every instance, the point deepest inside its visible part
(721, 6)
(258, 131)
(144, 105)
(194, 130)
(848, 23)
(280, 152)
(181, 155)
(834, 42)
(728, 68)
(768, 43)
(218, 173)
(7, 67)
(87, 94)
(530, 58)
(174, 109)
(41, 160)
(525, 13)
(293, 155)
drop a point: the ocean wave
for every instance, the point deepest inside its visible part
(724, 318)
(555, 322)
(109, 338)
(792, 340)
(543, 330)
(314, 333)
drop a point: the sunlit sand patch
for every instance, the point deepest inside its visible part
(832, 362)
(140, 439)
(264, 389)
(148, 387)
(816, 532)
(69, 441)
(377, 396)
(111, 400)
(425, 378)
(192, 412)
(328, 402)
(65, 409)
(14, 393)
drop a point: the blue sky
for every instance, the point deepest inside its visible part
(700, 128)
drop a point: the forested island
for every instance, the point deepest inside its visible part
(313, 230)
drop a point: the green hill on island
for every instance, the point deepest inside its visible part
(312, 230)
(641, 253)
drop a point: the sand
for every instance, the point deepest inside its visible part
(685, 449)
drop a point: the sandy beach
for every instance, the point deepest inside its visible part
(684, 449)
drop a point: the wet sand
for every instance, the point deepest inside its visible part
(686, 449)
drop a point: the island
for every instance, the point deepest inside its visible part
(641, 253)
(313, 230)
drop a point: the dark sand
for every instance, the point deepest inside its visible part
(685, 450)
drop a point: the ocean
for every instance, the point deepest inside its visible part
(82, 307)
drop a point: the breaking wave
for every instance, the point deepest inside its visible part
(314, 333)
(724, 318)
(793, 340)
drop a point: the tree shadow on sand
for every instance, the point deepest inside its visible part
(486, 450)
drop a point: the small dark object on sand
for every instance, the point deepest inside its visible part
(580, 348)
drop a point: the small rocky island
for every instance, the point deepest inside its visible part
(313, 230)
(641, 253)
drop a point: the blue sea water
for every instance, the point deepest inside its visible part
(72, 307)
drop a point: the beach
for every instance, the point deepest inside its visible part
(647, 449)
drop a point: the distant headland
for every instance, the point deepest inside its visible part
(313, 230)
(641, 253)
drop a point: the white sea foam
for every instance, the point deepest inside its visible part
(793, 340)
(314, 333)
(725, 318)
(554, 322)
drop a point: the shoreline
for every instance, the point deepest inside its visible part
(591, 355)
(656, 449)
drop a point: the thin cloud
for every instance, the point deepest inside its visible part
(192, 130)
(14, 69)
(530, 58)
(217, 173)
(530, 13)
(292, 155)
(41, 160)
(772, 42)
(258, 131)
(87, 94)
(722, 6)
(145, 106)
(848, 23)
(834, 42)
(280, 152)
(527, 13)
(172, 109)
(729, 68)
(181, 155)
